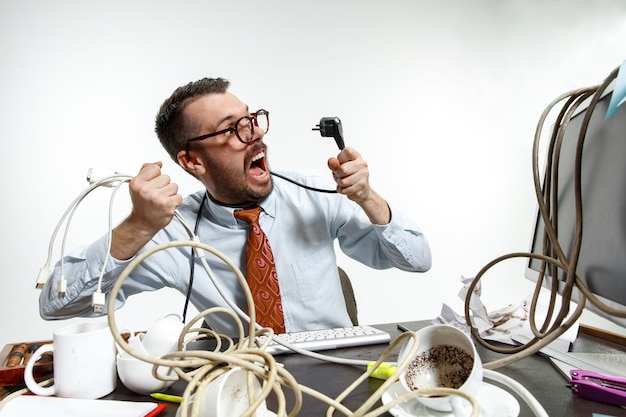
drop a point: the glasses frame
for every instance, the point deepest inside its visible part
(252, 122)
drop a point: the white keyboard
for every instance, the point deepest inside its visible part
(329, 339)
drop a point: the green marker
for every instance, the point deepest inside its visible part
(166, 397)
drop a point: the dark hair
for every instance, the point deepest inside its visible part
(172, 127)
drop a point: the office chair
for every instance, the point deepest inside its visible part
(348, 295)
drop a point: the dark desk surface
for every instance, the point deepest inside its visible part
(535, 373)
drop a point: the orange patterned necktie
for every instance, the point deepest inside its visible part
(261, 274)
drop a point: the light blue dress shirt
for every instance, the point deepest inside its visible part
(302, 227)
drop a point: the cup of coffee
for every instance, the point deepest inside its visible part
(446, 358)
(84, 362)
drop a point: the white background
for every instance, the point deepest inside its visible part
(441, 97)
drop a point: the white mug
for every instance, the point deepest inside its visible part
(451, 341)
(83, 364)
(162, 337)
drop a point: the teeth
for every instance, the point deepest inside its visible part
(258, 156)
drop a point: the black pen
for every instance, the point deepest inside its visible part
(403, 328)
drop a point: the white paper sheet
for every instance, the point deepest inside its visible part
(34, 405)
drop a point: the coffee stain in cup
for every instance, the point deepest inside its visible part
(446, 366)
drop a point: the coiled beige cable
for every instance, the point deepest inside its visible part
(200, 367)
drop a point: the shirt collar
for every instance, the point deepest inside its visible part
(223, 215)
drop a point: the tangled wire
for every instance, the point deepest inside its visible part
(553, 257)
(201, 367)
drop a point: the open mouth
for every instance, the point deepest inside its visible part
(258, 167)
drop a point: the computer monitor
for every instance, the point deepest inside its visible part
(602, 262)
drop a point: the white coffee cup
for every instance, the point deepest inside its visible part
(83, 365)
(423, 372)
(227, 396)
(162, 337)
(135, 342)
(136, 375)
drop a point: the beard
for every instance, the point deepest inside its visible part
(231, 182)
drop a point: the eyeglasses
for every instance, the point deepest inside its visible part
(243, 128)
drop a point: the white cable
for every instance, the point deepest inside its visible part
(110, 234)
(186, 226)
(98, 297)
(519, 389)
(106, 181)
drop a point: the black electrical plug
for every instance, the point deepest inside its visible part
(331, 127)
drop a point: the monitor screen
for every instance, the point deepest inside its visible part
(602, 262)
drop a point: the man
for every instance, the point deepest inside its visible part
(212, 135)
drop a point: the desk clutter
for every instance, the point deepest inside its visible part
(13, 359)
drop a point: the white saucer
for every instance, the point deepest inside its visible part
(493, 401)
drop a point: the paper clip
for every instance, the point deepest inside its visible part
(598, 387)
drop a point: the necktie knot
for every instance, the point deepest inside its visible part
(250, 215)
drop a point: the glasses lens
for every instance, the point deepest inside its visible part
(244, 129)
(262, 120)
(245, 126)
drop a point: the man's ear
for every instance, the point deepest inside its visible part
(190, 163)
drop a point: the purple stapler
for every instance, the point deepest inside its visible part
(598, 387)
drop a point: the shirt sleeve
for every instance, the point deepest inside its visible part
(400, 243)
(81, 272)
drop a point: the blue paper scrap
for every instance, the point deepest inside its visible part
(619, 92)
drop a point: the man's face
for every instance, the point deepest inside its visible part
(233, 172)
